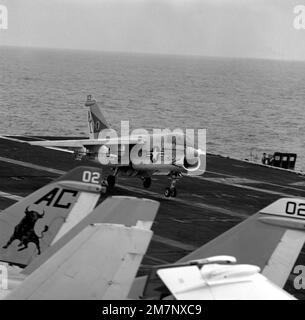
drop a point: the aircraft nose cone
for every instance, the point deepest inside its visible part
(191, 155)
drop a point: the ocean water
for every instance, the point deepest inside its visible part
(247, 106)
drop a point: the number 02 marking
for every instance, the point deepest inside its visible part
(293, 208)
(91, 177)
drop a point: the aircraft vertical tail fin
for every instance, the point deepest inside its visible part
(96, 120)
(33, 224)
(271, 239)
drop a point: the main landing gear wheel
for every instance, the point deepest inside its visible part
(167, 192)
(111, 182)
(173, 192)
(146, 182)
(170, 192)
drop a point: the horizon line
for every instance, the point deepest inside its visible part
(186, 55)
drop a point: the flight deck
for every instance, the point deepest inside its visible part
(206, 206)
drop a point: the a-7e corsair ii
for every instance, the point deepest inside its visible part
(139, 154)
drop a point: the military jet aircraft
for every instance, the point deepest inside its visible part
(141, 154)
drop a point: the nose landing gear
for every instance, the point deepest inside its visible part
(111, 181)
(172, 191)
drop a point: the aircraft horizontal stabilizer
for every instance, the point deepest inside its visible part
(220, 282)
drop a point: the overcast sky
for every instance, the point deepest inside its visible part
(238, 28)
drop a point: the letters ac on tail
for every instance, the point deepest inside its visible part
(33, 224)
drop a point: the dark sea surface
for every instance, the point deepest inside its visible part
(247, 106)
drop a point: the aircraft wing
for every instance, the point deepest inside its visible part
(271, 239)
(220, 282)
(99, 263)
(87, 143)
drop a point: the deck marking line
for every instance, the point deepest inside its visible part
(237, 185)
(31, 165)
(174, 243)
(10, 196)
(257, 181)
